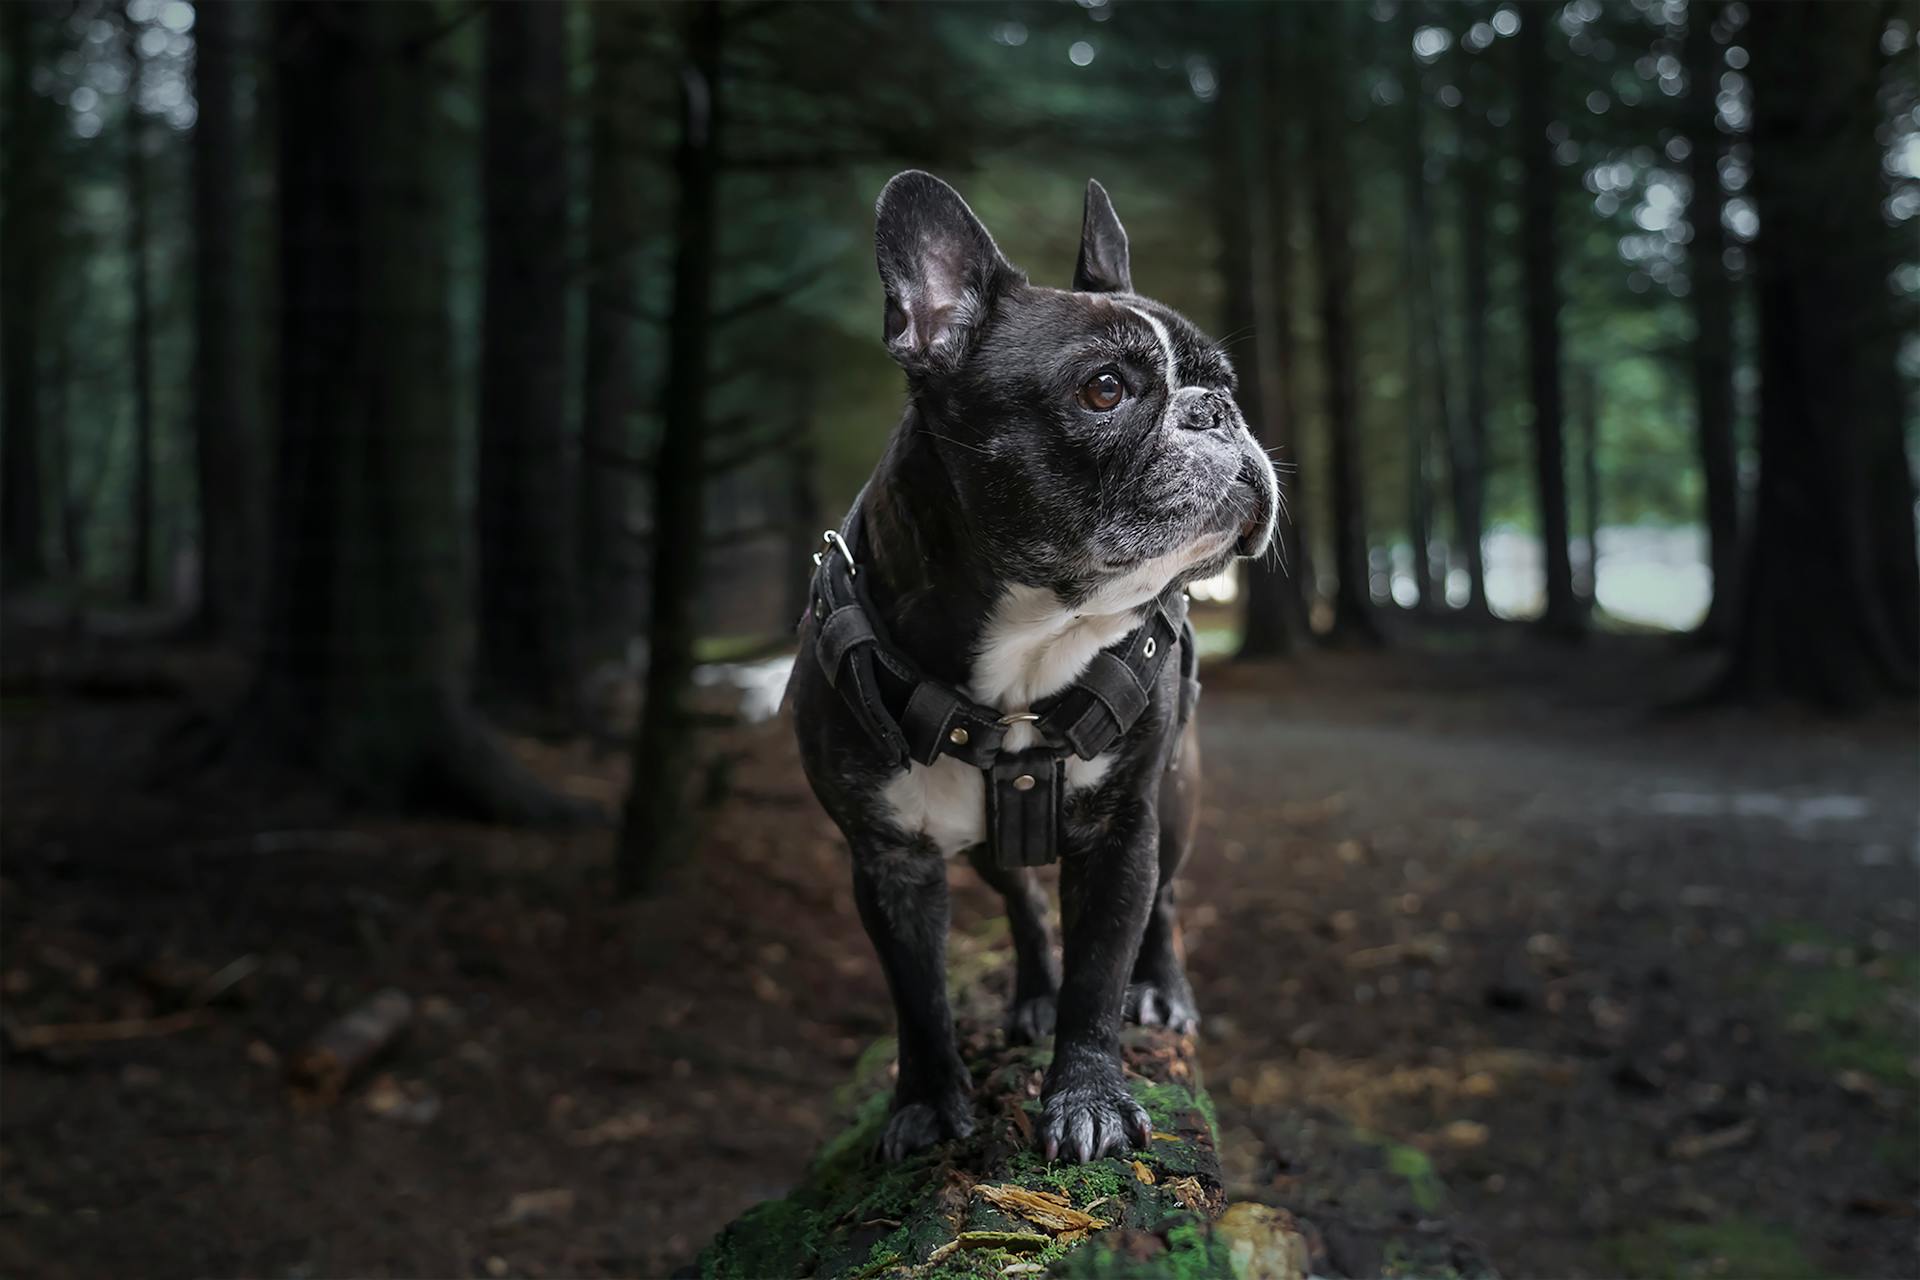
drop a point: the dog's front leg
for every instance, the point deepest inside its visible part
(1106, 891)
(902, 896)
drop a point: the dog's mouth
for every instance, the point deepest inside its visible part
(1256, 526)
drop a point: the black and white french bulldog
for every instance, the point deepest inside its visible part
(1066, 459)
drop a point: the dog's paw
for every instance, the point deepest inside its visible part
(1092, 1119)
(1164, 1004)
(916, 1125)
(1030, 1021)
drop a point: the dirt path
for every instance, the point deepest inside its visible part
(1642, 992)
(1616, 995)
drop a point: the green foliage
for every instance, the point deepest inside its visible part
(1847, 1013)
(1739, 1247)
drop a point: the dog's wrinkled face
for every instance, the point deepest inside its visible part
(1091, 435)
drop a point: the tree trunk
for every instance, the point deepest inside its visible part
(30, 175)
(805, 517)
(964, 1209)
(1541, 260)
(140, 499)
(1421, 370)
(1831, 597)
(1332, 200)
(608, 401)
(1278, 585)
(1712, 294)
(223, 446)
(658, 830)
(361, 670)
(526, 564)
(1469, 460)
(1243, 221)
(1589, 415)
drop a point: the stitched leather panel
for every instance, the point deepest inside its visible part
(842, 629)
(1023, 822)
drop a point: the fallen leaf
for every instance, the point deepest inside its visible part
(624, 1127)
(1695, 1145)
(1143, 1173)
(546, 1205)
(1012, 1241)
(1054, 1212)
(1190, 1193)
(1465, 1134)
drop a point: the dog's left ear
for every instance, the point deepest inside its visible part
(1103, 266)
(939, 266)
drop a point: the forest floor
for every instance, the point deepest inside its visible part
(1624, 993)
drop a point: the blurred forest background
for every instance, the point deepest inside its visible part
(416, 419)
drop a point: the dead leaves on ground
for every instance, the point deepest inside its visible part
(1042, 1208)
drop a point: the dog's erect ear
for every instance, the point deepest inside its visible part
(1103, 264)
(940, 268)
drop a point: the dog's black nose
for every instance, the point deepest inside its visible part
(1208, 412)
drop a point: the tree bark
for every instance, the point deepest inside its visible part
(361, 668)
(140, 497)
(1712, 295)
(1422, 363)
(1243, 220)
(527, 595)
(1831, 597)
(1589, 415)
(1278, 584)
(658, 830)
(1469, 460)
(30, 175)
(223, 445)
(1332, 210)
(1540, 251)
(609, 606)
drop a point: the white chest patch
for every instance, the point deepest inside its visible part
(1033, 646)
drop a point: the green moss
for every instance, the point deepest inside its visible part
(1191, 1254)
(1846, 1014)
(1683, 1251)
(772, 1239)
(854, 1218)
(1411, 1165)
(1405, 1260)
(852, 1143)
(1169, 1106)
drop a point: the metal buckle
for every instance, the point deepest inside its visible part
(1018, 717)
(831, 540)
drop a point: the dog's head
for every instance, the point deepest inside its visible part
(1090, 434)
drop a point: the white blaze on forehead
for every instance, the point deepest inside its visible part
(1166, 347)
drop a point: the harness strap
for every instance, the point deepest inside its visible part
(1026, 788)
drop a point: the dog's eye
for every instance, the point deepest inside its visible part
(1102, 391)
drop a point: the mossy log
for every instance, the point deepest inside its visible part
(992, 1206)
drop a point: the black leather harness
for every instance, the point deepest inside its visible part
(917, 719)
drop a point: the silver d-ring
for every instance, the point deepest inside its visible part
(830, 540)
(1018, 717)
(1150, 646)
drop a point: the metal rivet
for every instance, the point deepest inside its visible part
(1150, 646)
(958, 737)
(1023, 783)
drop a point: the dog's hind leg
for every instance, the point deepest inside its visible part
(1159, 994)
(902, 897)
(1036, 973)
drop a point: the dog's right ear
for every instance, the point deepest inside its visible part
(940, 268)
